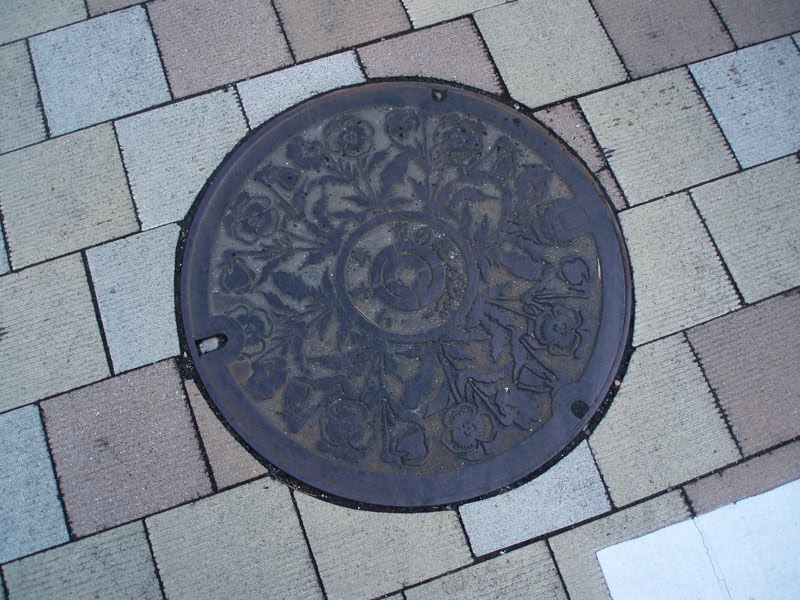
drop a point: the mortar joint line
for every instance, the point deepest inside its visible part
(200, 442)
(127, 176)
(504, 92)
(97, 314)
(153, 558)
(39, 97)
(628, 75)
(724, 23)
(688, 502)
(59, 488)
(238, 97)
(308, 544)
(158, 52)
(558, 569)
(282, 27)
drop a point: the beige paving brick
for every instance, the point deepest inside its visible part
(658, 135)
(363, 554)
(528, 572)
(751, 21)
(115, 564)
(575, 550)
(751, 358)
(64, 195)
(427, 12)
(754, 218)
(242, 543)
(453, 51)
(663, 427)
(678, 280)
(19, 111)
(548, 50)
(50, 340)
(22, 18)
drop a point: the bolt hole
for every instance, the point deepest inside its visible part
(212, 343)
(439, 95)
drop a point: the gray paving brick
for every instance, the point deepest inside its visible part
(22, 18)
(663, 427)
(113, 565)
(242, 543)
(568, 492)
(98, 70)
(754, 95)
(530, 39)
(528, 572)
(171, 151)
(266, 96)
(134, 282)
(99, 7)
(63, 195)
(678, 279)
(49, 338)
(19, 111)
(428, 12)
(754, 218)
(751, 21)
(363, 554)
(575, 551)
(30, 514)
(658, 135)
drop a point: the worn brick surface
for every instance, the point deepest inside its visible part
(751, 360)
(22, 18)
(754, 95)
(19, 110)
(114, 565)
(658, 135)
(362, 554)
(50, 195)
(206, 43)
(242, 543)
(678, 279)
(752, 21)
(427, 12)
(98, 7)
(663, 427)
(49, 338)
(654, 36)
(134, 279)
(171, 151)
(30, 514)
(754, 218)
(316, 27)
(575, 551)
(528, 40)
(453, 51)
(125, 448)
(528, 572)
(98, 70)
(568, 492)
(266, 96)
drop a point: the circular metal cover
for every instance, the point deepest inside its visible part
(421, 295)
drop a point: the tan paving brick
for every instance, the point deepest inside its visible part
(316, 27)
(22, 18)
(751, 358)
(363, 554)
(530, 39)
(206, 43)
(575, 551)
(752, 21)
(658, 135)
(50, 340)
(99, 7)
(453, 51)
(663, 427)
(242, 543)
(51, 193)
(19, 111)
(428, 12)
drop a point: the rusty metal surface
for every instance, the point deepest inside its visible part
(421, 295)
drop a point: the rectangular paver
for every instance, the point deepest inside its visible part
(170, 152)
(754, 96)
(63, 195)
(567, 493)
(19, 100)
(50, 340)
(243, 543)
(362, 554)
(99, 7)
(114, 565)
(678, 279)
(528, 40)
(751, 21)
(751, 359)
(428, 12)
(98, 70)
(31, 517)
(453, 51)
(22, 18)
(134, 282)
(658, 135)
(125, 448)
(663, 427)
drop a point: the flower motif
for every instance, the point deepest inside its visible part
(409, 446)
(269, 375)
(460, 139)
(466, 430)
(575, 271)
(306, 154)
(284, 177)
(400, 124)
(517, 406)
(250, 218)
(533, 183)
(296, 401)
(346, 429)
(557, 329)
(349, 136)
(236, 277)
(256, 327)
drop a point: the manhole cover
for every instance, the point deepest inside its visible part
(419, 295)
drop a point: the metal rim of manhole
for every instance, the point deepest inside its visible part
(405, 294)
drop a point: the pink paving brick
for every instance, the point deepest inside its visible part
(752, 21)
(125, 448)
(98, 7)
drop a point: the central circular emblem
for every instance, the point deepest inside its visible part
(405, 294)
